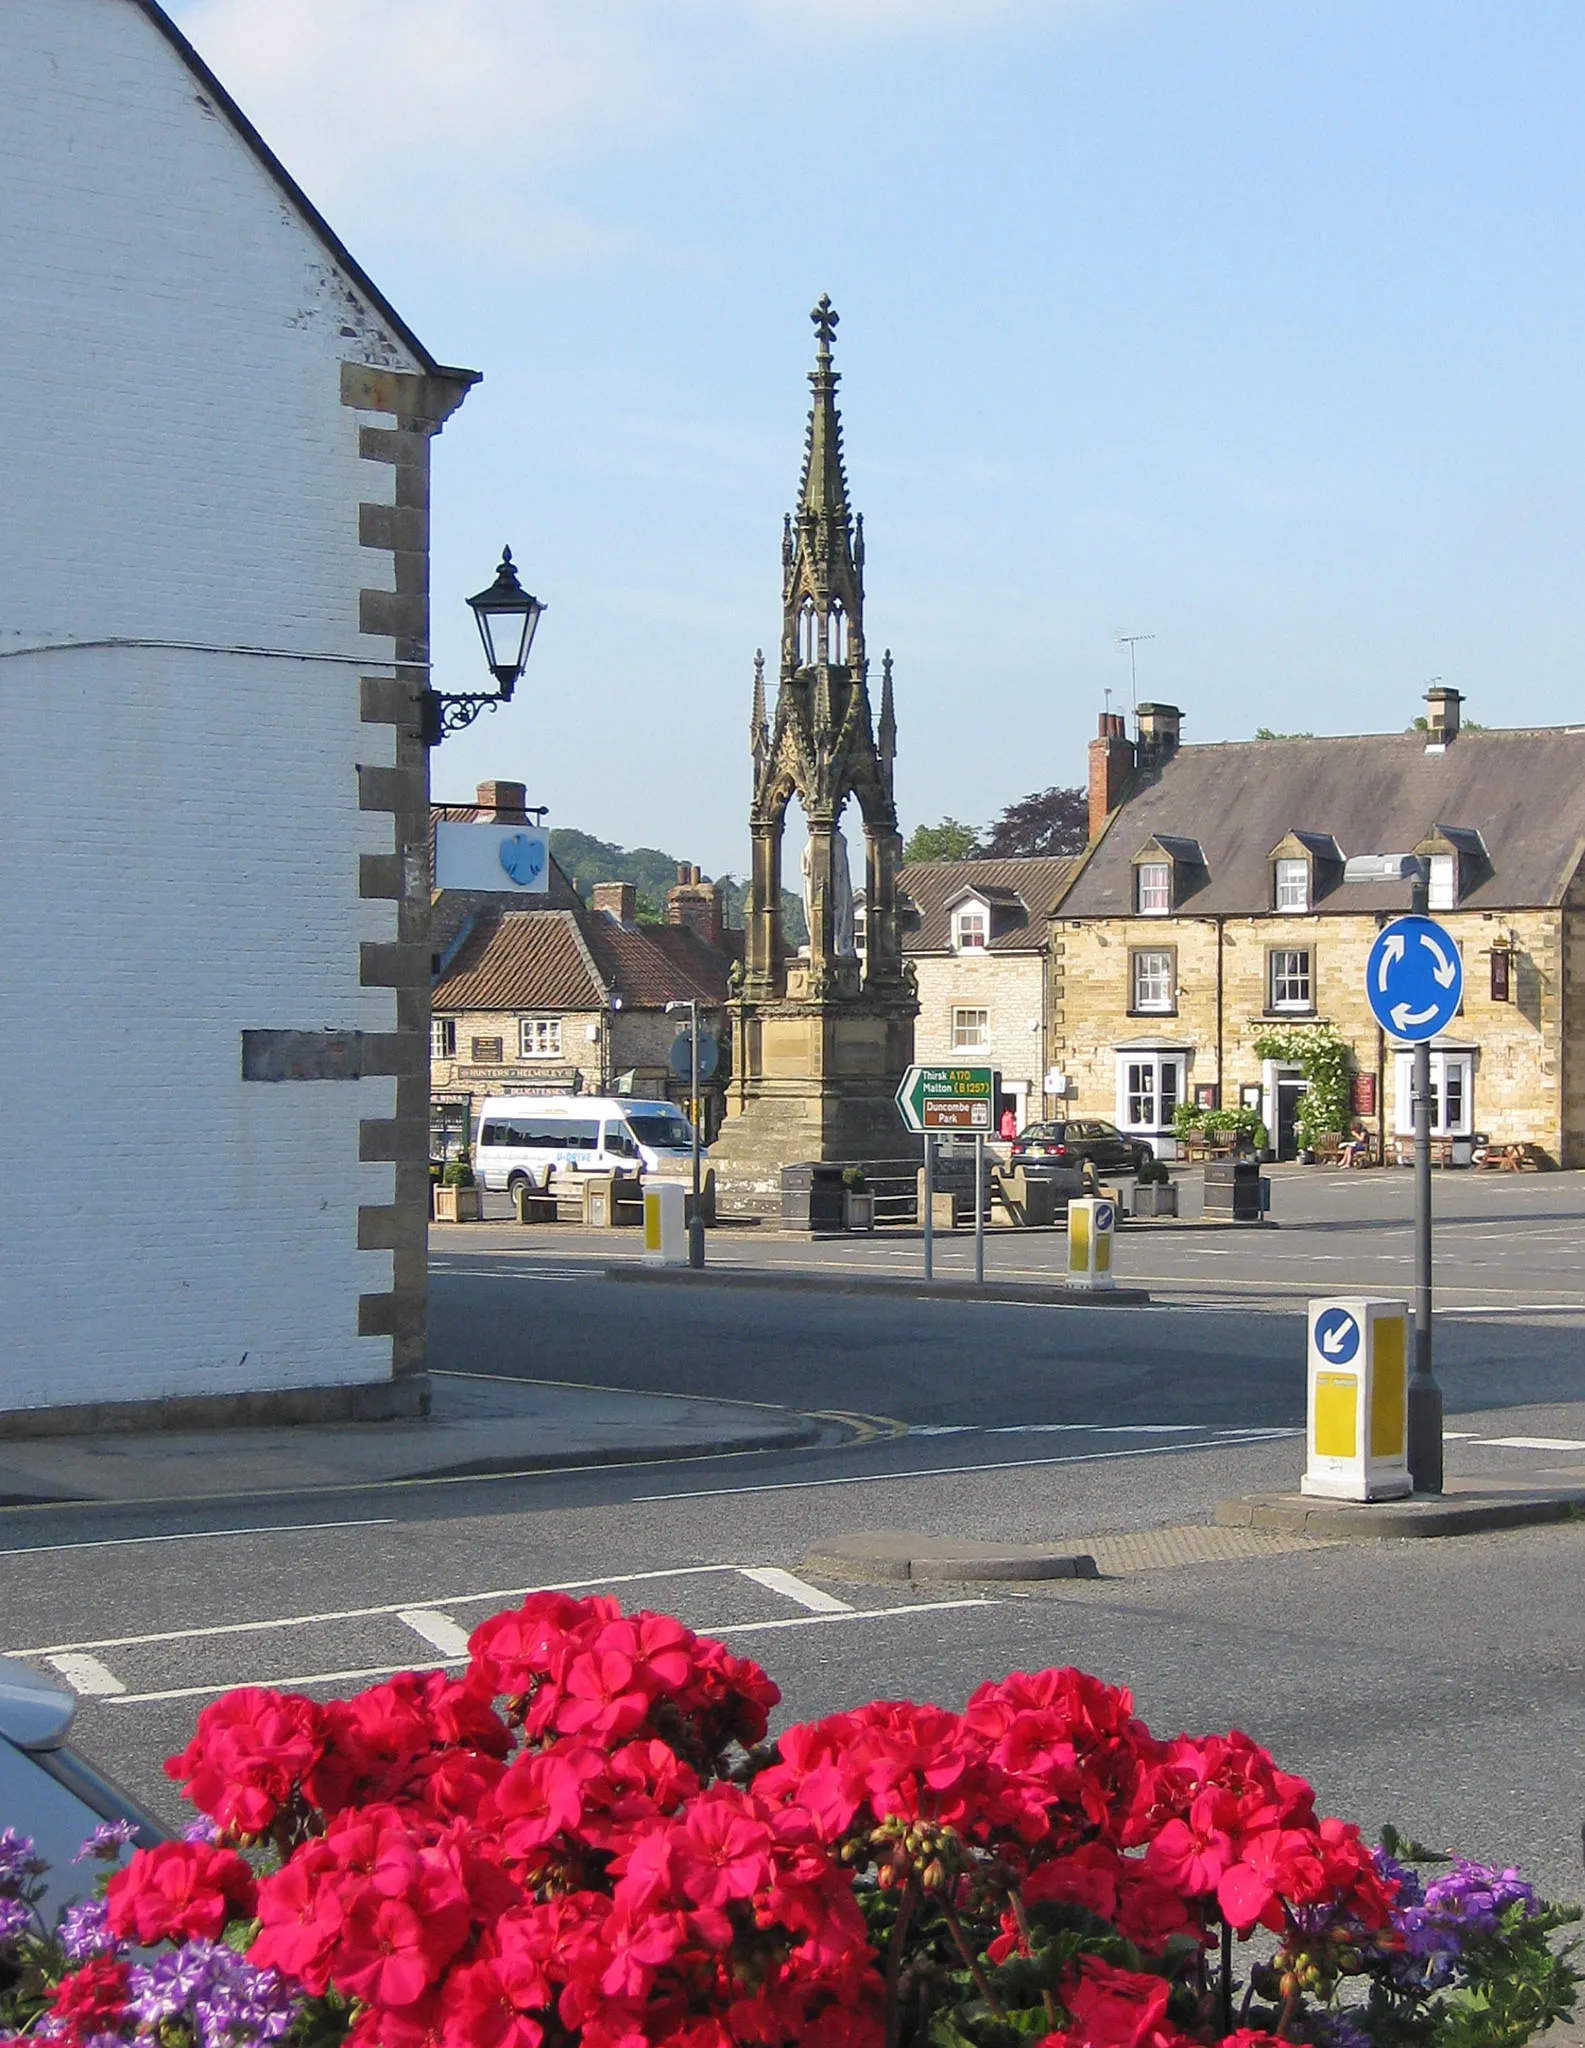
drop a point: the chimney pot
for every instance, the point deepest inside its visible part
(1111, 765)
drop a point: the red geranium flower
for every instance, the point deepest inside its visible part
(180, 1890)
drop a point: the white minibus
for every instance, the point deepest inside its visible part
(522, 1139)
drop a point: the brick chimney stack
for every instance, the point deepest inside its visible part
(1111, 764)
(616, 899)
(503, 803)
(696, 903)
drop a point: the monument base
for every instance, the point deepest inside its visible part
(814, 1080)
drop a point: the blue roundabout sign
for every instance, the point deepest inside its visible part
(1414, 978)
(1336, 1336)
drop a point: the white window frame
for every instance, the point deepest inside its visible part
(539, 1038)
(1153, 898)
(1163, 1084)
(966, 1035)
(1300, 1005)
(1293, 886)
(1462, 1066)
(858, 932)
(443, 1038)
(1442, 893)
(975, 918)
(1161, 999)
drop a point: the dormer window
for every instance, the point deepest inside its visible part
(1293, 885)
(971, 928)
(1444, 882)
(1154, 888)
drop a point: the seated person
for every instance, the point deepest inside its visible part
(1355, 1148)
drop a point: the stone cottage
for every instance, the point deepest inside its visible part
(1210, 929)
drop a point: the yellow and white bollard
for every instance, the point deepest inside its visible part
(665, 1224)
(1090, 1225)
(1358, 1408)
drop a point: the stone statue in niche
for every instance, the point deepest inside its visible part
(842, 940)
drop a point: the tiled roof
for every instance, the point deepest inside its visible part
(521, 960)
(1020, 894)
(1522, 791)
(654, 965)
(575, 960)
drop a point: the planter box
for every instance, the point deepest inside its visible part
(1156, 1199)
(458, 1205)
(860, 1209)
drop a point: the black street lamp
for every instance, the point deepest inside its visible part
(507, 615)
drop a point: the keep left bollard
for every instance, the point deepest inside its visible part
(665, 1224)
(1358, 1405)
(1091, 1221)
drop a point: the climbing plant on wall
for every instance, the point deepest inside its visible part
(1326, 1062)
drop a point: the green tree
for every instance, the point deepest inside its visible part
(947, 841)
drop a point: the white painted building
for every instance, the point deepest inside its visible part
(214, 796)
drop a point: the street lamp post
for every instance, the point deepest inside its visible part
(696, 1218)
(506, 615)
(1425, 1396)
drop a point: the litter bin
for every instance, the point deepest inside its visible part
(811, 1197)
(599, 1202)
(1232, 1189)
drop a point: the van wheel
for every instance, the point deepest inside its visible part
(518, 1180)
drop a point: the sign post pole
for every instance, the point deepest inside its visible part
(950, 1098)
(1413, 980)
(930, 1207)
(979, 1208)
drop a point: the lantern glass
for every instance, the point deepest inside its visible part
(507, 615)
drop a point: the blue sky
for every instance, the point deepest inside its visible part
(1254, 324)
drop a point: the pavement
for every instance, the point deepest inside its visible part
(478, 1424)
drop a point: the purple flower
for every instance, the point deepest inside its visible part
(84, 1931)
(1341, 2030)
(16, 1916)
(107, 1841)
(227, 2002)
(203, 1829)
(17, 1860)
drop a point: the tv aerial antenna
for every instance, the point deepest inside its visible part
(1131, 642)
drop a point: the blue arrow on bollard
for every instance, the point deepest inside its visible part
(1336, 1336)
(1414, 979)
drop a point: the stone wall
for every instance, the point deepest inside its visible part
(1011, 987)
(224, 454)
(1519, 1069)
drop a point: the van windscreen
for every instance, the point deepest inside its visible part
(662, 1131)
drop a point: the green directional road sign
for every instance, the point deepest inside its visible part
(948, 1099)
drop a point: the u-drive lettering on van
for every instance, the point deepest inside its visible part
(520, 1140)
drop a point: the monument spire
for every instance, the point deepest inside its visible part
(823, 494)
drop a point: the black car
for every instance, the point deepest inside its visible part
(1075, 1139)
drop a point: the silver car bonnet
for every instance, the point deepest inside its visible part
(33, 1713)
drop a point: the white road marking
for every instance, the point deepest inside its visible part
(751, 1628)
(243, 1628)
(87, 1676)
(197, 1536)
(740, 1628)
(438, 1630)
(775, 1580)
(1097, 1428)
(947, 1471)
(1533, 1443)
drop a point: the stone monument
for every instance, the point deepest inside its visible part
(820, 1040)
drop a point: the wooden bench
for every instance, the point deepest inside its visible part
(1521, 1158)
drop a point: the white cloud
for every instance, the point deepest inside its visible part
(458, 119)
